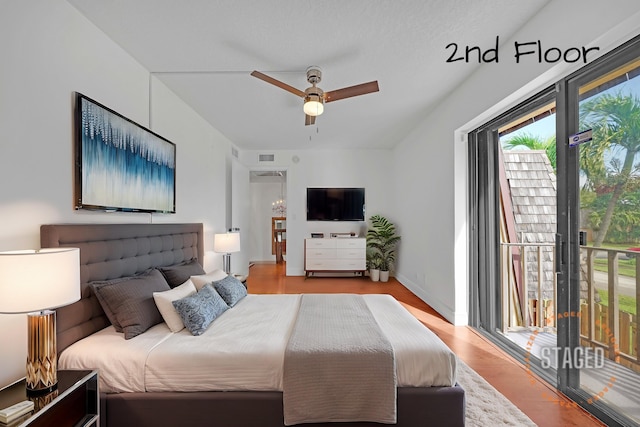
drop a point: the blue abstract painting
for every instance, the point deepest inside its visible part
(124, 166)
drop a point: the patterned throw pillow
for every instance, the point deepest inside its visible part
(198, 311)
(230, 289)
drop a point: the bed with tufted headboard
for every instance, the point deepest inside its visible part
(113, 251)
(109, 251)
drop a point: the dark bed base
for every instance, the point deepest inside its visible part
(109, 251)
(433, 406)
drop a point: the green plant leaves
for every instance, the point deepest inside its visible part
(381, 243)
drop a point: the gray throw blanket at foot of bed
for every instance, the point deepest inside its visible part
(338, 364)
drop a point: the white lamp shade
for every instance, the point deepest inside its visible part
(34, 280)
(226, 243)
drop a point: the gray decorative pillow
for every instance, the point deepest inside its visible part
(96, 286)
(230, 289)
(176, 275)
(129, 303)
(198, 311)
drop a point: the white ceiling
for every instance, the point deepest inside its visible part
(204, 51)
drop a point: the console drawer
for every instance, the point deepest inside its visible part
(321, 253)
(320, 243)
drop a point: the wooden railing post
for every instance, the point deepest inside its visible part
(510, 284)
(555, 290)
(524, 302)
(636, 333)
(539, 305)
(591, 302)
(613, 332)
(506, 287)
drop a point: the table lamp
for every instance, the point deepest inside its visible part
(226, 243)
(36, 282)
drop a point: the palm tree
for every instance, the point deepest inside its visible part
(615, 120)
(534, 142)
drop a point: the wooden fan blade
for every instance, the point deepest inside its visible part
(350, 91)
(278, 83)
(309, 120)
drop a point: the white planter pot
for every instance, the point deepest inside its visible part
(374, 273)
(384, 276)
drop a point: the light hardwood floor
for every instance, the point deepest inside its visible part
(499, 369)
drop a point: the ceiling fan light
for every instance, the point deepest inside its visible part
(313, 105)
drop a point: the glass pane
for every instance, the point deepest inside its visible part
(528, 229)
(609, 167)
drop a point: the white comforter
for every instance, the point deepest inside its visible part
(244, 350)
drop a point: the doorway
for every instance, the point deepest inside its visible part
(513, 192)
(268, 237)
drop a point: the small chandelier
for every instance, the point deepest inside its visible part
(279, 207)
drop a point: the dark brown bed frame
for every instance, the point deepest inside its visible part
(109, 251)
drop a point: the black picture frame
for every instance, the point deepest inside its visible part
(119, 164)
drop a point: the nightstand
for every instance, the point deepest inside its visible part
(74, 403)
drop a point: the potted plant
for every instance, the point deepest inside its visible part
(373, 264)
(381, 244)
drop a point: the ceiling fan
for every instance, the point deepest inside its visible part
(314, 97)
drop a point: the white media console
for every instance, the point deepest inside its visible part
(337, 255)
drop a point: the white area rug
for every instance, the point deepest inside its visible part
(486, 406)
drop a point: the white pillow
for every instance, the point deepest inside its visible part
(164, 302)
(210, 277)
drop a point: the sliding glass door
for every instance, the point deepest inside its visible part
(555, 234)
(599, 192)
(514, 209)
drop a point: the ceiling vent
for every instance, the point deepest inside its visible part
(266, 157)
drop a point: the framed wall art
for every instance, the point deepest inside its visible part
(119, 164)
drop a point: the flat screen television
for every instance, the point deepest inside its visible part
(335, 204)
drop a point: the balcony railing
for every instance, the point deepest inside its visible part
(524, 270)
(607, 325)
(602, 323)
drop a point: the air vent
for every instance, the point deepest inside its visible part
(234, 152)
(266, 157)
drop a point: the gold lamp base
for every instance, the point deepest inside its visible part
(42, 359)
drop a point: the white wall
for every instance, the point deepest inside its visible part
(240, 215)
(370, 169)
(434, 256)
(49, 51)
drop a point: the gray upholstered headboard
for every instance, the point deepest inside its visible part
(109, 251)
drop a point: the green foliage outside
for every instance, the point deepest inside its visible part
(608, 166)
(625, 303)
(609, 175)
(534, 142)
(626, 267)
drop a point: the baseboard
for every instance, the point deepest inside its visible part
(456, 318)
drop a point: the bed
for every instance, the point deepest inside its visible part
(145, 397)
